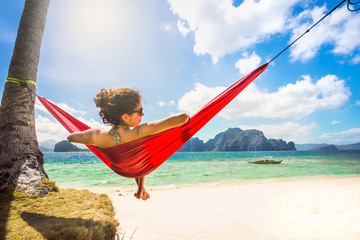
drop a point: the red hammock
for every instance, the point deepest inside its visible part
(142, 156)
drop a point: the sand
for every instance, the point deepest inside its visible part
(303, 208)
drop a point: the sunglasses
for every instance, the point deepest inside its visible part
(140, 111)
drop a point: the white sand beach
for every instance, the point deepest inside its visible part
(302, 208)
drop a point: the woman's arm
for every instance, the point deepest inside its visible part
(147, 129)
(85, 137)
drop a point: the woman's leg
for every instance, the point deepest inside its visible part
(141, 192)
(137, 181)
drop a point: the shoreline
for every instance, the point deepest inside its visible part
(107, 189)
(319, 207)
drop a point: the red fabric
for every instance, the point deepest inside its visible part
(142, 156)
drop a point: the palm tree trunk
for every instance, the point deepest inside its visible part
(21, 161)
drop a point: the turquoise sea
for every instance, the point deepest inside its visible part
(84, 170)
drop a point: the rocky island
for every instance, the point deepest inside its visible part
(66, 146)
(235, 139)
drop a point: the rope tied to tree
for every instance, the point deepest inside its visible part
(23, 83)
(18, 81)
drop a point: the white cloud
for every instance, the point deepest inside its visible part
(182, 28)
(162, 103)
(335, 122)
(40, 107)
(248, 63)
(70, 110)
(168, 26)
(47, 129)
(192, 101)
(220, 28)
(356, 59)
(64, 106)
(51, 129)
(339, 29)
(92, 123)
(345, 137)
(357, 102)
(288, 131)
(290, 101)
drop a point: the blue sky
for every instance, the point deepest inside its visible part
(181, 53)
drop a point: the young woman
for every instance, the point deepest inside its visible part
(122, 109)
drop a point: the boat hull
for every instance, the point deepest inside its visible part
(265, 162)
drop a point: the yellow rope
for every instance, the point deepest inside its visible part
(18, 81)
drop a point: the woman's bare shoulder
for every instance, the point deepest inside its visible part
(102, 138)
(96, 131)
(101, 130)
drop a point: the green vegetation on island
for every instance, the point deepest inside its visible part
(235, 139)
(66, 146)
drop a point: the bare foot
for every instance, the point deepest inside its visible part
(138, 194)
(142, 194)
(145, 196)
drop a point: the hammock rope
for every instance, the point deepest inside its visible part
(308, 30)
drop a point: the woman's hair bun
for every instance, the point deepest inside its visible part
(101, 98)
(115, 102)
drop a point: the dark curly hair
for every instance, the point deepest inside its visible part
(115, 102)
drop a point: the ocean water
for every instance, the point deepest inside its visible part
(85, 170)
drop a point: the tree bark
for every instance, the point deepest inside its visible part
(21, 161)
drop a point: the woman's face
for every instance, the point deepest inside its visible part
(135, 117)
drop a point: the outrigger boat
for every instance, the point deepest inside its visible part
(266, 160)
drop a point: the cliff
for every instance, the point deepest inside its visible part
(235, 139)
(66, 146)
(325, 148)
